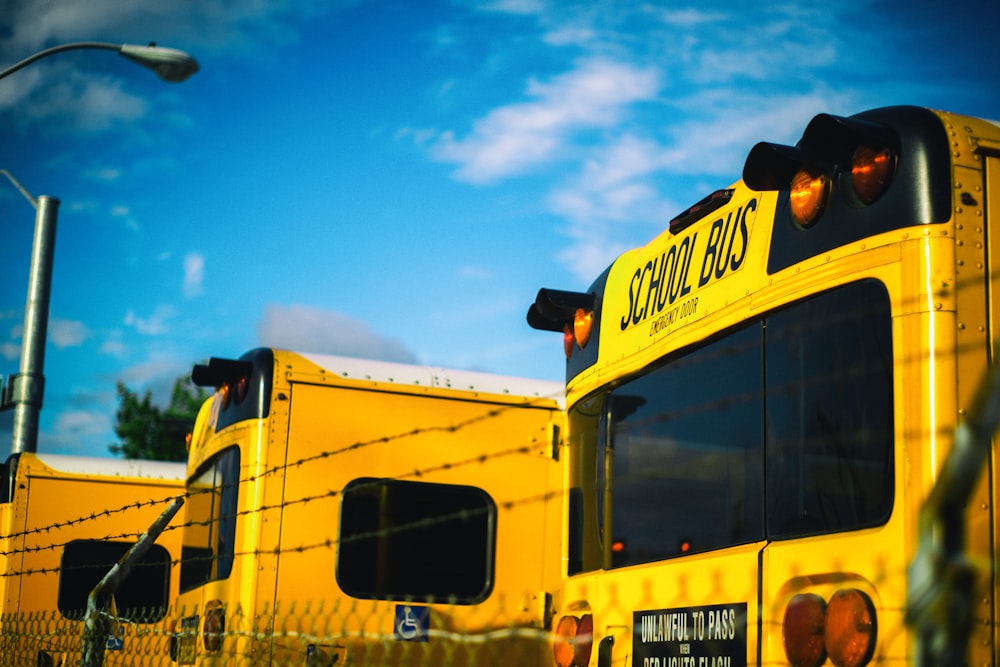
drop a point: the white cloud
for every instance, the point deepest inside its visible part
(81, 103)
(511, 139)
(67, 333)
(114, 346)
(513, 6)
(159, 370)
(194, 274)
(690, 17)
(326, 332)
(72, 423)
(104, 174)
(155, 324)
(84, 102)
(10, 351)
(80, 433)
(469, 272)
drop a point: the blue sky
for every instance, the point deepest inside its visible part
(396, 179)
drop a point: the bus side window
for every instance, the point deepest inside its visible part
(830, 407)
(686, 470)
(413, 540)
(141, 597)
(210, 528)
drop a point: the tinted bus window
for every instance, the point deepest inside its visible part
(829, 413)
(686, 465)
(141, 597)
(801, 399)
(414, 541)
(210, 529)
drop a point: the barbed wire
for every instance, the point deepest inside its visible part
(166, 630)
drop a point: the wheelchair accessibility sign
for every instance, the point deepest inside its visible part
(412, 623)
(116, 642)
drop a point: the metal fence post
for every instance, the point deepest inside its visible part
(96, 624)
(941, 579)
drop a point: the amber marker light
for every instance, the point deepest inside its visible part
(850, 628)
(224, 395)
(582, 323)
(871, 172)
(802, 630)
(568, 339)
(810, 190)
(242, 387)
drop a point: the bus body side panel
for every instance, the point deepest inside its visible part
(267, 461)
(338, 435)
(707, 606)
(983, 527)
(245, 596)
(976, 194)
(53, 509)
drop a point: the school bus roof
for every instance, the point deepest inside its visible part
(109, 467)
(433, 376)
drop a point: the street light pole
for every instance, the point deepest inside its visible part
(24, 391)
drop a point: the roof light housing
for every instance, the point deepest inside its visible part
(571, 313)
(851, 157)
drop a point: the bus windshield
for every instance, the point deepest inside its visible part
(782, 428)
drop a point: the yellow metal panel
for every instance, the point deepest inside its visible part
(333, 420)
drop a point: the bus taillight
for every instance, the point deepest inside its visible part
(574, 638)
(803, 630)
(871, 172)
(842, 629)
(850, 628)
(214, 626)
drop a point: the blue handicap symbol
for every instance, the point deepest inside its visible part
(116, 642)
(412, 623)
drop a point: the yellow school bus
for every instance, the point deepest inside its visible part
(345, 511)
(64, 522)
(761, 399)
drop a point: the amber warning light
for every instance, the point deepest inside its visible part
(571, 313)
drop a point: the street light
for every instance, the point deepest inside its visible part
(169, 64)
(23, 391)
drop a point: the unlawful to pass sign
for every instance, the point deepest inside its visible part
(710, 636)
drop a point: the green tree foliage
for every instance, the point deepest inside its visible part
(149, 432)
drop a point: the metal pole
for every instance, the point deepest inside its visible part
(941, 578)
(96, 622)
(28, 385)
